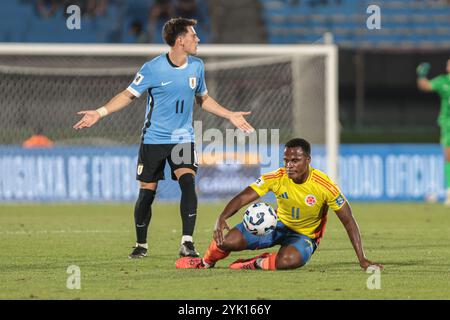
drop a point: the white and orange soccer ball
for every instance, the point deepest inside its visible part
(260, 219)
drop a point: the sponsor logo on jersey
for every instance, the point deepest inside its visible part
(310, 200)
(192, 82)
(138, 79)
(140, 168)
(340, 200)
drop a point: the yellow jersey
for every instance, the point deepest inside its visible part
(302, 207)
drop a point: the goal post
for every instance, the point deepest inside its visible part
(293, 88)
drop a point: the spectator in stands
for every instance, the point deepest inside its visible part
(38, 140)
(137, 32)
(93, 8)
(82, 4)
(439, 2)
(314, 3)
(188, 9)
(46, 8)
(160, 11)
(96, 8)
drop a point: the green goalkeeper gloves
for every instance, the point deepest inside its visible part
(422, 70)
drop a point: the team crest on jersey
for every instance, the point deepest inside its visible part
(310, 200)
(192, 82)
(140, 168)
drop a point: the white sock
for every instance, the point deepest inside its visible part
(143, 245)
(186, 238)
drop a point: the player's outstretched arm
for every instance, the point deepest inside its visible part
(245, 197)
(345, 215)
(422, 82)
(235, 117)
(90, 117)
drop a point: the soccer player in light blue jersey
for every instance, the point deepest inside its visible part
(173, 81)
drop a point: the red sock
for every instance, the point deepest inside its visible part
(214, 254)
(269, 263)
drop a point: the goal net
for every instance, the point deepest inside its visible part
(292, 88)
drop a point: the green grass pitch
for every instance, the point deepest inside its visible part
(39, 243)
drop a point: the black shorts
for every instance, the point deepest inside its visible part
(152, 160)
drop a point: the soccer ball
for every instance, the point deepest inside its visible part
(260, 219)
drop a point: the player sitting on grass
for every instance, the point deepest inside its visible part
(303, 197)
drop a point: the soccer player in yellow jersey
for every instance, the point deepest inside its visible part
(304, 195)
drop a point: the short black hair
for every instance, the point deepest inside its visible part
(299, 143)
(176, 27)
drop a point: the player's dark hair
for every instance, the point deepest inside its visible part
(299, 143)
(176, 27)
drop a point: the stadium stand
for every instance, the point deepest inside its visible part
(112, 21)
(414, 23)
(417, 23)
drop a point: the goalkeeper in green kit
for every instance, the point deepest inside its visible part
(441, 85)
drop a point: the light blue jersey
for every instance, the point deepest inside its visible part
(170, 103)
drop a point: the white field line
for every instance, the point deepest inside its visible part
(28, 232)
(62, 231)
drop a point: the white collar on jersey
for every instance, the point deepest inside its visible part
(175, 66)
(183, 66)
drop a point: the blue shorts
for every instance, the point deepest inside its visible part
(283, 236)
